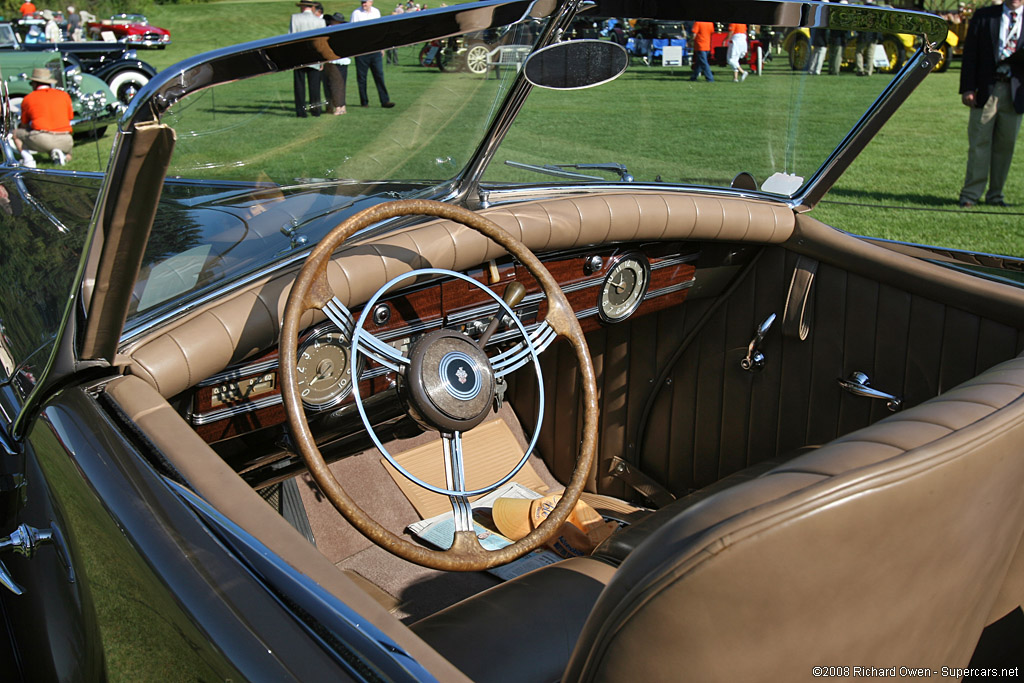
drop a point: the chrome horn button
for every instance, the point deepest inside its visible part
(450, 384)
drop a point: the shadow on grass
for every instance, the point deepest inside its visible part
(899, 198)
(912, 202)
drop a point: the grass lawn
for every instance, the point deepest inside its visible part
(904, 186)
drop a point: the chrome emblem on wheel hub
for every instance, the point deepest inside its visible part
(459, 375)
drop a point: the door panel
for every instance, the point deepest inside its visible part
(710, 418)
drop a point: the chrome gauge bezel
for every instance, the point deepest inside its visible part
(636, 263)
(342, 386)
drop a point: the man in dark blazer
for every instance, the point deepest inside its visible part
(990, 84)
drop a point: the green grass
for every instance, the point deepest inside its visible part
(904, 186)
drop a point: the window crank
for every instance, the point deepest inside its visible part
(859, 385)
(754, 361)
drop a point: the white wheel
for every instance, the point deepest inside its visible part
(125, 84)
(476, 59)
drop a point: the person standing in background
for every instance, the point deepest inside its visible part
(819, 46)
(702, 31)
(336, 73)
(74, 25)
(306, 20)
(990, 84)
(865, 59)
(27, 9)
(51, 32)
(372, 62)
(737, 50)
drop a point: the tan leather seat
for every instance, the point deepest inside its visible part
(891, 546)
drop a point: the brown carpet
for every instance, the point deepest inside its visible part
(418, 591)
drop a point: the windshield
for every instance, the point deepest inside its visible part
(259, 173)
(774, 113)
(449, 91)
(252, 182)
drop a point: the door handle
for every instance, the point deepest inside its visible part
(25, 541)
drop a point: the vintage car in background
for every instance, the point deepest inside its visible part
(251, 394)
(896, 47)
(116, 64)
(133, 29)
(95, 106)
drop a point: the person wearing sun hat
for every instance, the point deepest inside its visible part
(51, 32)
(46, 115)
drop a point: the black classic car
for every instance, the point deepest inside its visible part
(116, 64)
(319, 399)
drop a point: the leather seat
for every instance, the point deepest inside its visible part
(892, 546)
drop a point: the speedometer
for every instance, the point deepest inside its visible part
(325, 377)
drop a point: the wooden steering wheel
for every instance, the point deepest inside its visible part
(448, 383)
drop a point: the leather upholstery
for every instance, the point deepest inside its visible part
(891, 545)
(547, 607)
(206, 473)
(885, 547)
(211, 337)
(711, 418)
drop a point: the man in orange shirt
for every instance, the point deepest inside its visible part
(27, 8)
(46, 115)
(702, 31)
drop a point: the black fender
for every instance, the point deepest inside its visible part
(108, 71)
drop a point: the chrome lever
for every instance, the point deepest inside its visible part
(859, 385)
(24, 540)
(755, 358)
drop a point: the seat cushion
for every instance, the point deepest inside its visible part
(521, 630)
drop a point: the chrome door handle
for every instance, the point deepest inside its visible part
(24, 540)
(754, 361)
(859, 385)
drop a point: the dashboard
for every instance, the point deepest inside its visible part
(240, 412)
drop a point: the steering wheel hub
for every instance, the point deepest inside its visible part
(450, 384)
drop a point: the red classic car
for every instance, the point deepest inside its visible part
(130, 28)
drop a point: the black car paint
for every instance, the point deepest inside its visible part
(153, 590)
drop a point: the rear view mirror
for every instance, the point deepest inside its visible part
(576, 64)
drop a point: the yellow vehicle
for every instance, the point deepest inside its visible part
(897, 46)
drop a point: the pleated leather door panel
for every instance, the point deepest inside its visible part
(711, 418)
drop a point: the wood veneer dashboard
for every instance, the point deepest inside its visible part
(240, 413)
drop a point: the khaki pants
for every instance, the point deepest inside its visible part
(865, 58)
(991, 135)
(44, 141)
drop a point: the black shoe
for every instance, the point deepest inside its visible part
(301, 116)
(364, 105)
(388, 105)
(965, 204)
(999, 202)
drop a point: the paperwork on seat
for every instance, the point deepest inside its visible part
(439, 531)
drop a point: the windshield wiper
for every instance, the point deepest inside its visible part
(558, 170)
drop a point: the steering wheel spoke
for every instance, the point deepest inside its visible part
(369, 345)
(520, 354)
(455, 480)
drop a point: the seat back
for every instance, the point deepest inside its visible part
(891, 546)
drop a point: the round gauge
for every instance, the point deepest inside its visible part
(325, 377)
(624, 287)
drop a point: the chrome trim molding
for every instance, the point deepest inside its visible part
(238, 373)
(224, 413)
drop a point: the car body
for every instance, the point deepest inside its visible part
(176, 499)
(133, 29)
(95, 105)
(116, 64)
